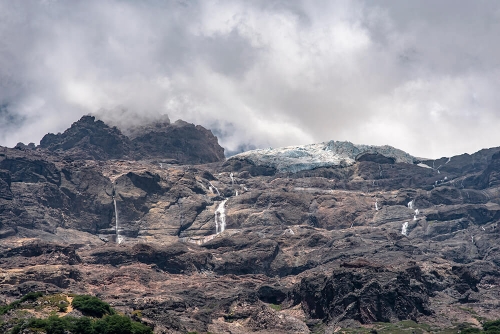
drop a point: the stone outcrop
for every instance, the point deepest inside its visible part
(376, 239)
(180, 142)
(89, 139)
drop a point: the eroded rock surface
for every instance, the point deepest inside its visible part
(180, 142)
(375, 239)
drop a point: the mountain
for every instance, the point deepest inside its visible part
(307, 239)
(180, 142)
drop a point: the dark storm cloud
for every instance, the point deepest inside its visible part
(417, 75)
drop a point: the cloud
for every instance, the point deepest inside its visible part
(420, 76)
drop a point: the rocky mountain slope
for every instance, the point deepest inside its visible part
(269, 241)
(179, 142)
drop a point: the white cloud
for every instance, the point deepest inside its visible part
(260, 73)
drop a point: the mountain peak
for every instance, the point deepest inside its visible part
(91, 138)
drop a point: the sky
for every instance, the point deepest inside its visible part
(421, 76)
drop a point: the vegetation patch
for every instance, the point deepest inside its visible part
(408, 326)
(92, 306)
(100, 317)
(275, 307)
(32, 296)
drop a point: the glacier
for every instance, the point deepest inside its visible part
(327, 154)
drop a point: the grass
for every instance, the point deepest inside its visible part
(275, 307)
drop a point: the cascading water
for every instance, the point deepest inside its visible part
(410, 205)
(217, 190)
(232, 179)
(404, 230)
(119, 238)
(220, 217)
(376, 205)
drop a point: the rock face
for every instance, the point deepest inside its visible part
(310, 244)
(89, 139)
(365, 293)
(180, 142)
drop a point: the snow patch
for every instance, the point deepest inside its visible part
(326, 154)
(424, 165)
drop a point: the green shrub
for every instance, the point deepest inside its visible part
(56, 325)
(138, 328)
(92, 306)
(83, 325)
(16, 329)
(63, 307)
(31, 296)
(118, 324)
(491, 325)
(108, 323)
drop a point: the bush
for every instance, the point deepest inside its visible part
(108, 322)
(31, 296)
(83, 325)
(63, 307)
(92, 306)
(492, 325)
(118, 324)
(138, 328)
(56, 325)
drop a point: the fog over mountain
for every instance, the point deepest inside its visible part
(420, 76)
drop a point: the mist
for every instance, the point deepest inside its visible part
(420, 76)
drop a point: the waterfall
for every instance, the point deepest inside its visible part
(232, 179)
(404, 230)
(220, 217)
(217, 190)
(119, 238)
(410, 205)
(376, 205)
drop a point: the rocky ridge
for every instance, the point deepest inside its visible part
(180, 142)
(379, 238)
